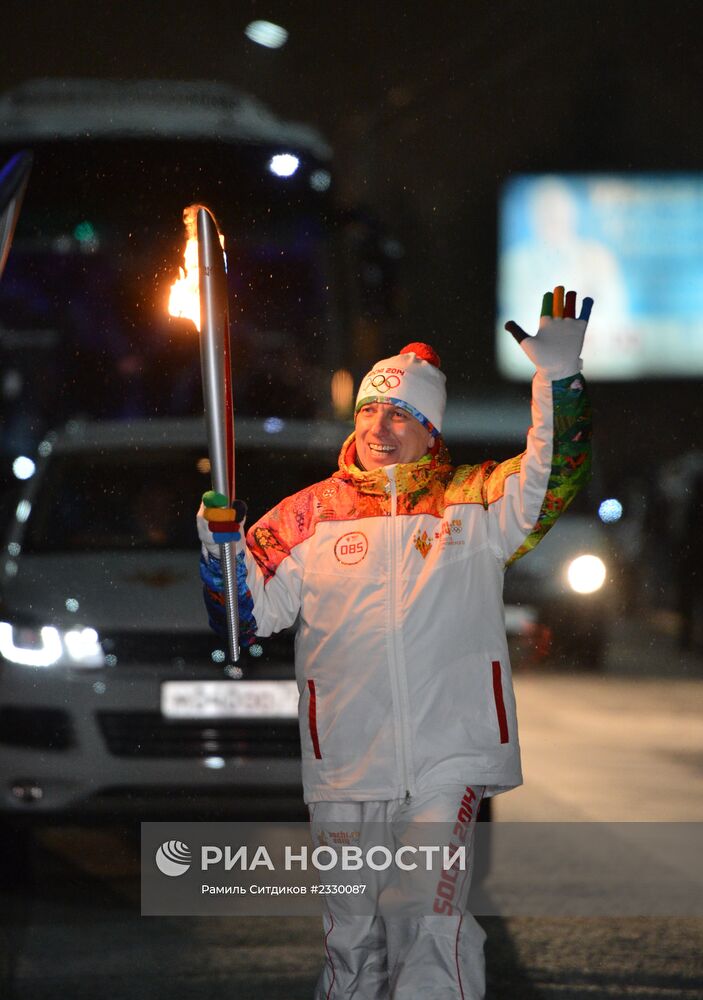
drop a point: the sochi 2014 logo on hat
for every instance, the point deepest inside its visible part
(382, 380)
(173, 858)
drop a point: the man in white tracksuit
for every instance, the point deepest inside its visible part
(394, 569)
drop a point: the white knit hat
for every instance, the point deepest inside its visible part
(411, 380)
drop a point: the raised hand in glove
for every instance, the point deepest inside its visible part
(556, 347)
(218, 522)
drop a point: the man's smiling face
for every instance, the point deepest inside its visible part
(386, 434)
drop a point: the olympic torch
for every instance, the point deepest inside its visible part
(204, 258)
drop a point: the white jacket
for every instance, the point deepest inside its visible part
(397, 576)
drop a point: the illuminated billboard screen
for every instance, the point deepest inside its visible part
(634, 243)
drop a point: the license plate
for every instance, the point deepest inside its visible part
(229, 699)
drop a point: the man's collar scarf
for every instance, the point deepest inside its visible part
(409, 476)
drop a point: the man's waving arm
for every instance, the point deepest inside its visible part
(525, 495)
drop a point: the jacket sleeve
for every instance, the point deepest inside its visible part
(525, 495)
(269, 574)
(213, 593)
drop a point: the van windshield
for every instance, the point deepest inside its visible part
(134, 500)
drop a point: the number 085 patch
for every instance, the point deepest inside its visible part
(351, 548)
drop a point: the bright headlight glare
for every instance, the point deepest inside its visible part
(284, 164)
(37, 648)
(586, 574)
(83, 647)
(23, 467)
(47, 646)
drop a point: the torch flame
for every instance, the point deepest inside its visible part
(184, 297)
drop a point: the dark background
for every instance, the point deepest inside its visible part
(429, 108)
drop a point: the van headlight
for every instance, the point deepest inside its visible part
(586, 574)
(47, 646)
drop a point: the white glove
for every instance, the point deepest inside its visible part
(556, 347)
(205, 535)
(214, 512)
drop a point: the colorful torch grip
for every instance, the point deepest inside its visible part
(217, 396)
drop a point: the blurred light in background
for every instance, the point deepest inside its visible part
(266, 33)
(84, 648)
(284, 164)
(273, 425)
(86, 237)
(586, 574)
(84, 232)
(342, 393)
(203, 465)
(215, 763)
(610, 511)
(24, 509)
(320, 180)
(393, 248)
(72, 604)
(12, 382)
(23, 467)
(63, 244)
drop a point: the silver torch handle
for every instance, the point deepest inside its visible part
(217, 396)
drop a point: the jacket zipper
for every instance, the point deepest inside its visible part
(398, 681)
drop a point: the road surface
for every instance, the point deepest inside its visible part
(612, 747)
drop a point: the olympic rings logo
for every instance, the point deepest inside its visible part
(382, 383)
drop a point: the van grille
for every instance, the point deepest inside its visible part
(148, 734)
(36, 728)
(184, 650)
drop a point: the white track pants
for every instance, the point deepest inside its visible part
(403, 958)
